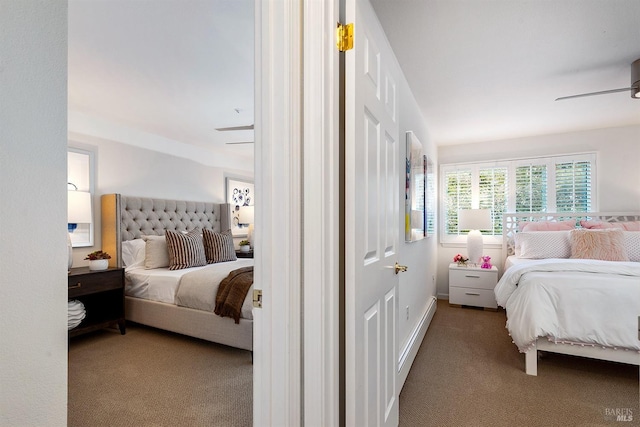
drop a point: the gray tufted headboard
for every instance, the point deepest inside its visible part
(126, 218)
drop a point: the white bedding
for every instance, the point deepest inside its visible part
(161, 284)
(583, 301)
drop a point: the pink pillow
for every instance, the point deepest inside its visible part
(601, 225)
(547, 225)
(605, 245)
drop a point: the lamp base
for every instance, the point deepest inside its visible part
(474, 246)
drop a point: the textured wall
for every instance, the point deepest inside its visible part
(33, 253)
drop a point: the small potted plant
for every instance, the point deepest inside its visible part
(98, 260)
(461, 260)
(245, 246)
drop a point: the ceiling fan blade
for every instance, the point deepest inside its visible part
(242, 142)
(245, 127)
(626, 89)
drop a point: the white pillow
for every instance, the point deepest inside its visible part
(543, 244)
(133, 252)
(156, 252)
(632, 245)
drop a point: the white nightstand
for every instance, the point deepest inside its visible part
(472, 286)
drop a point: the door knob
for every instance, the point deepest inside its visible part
(400, 268)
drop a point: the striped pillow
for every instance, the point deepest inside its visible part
(218, 247)
(185, 250)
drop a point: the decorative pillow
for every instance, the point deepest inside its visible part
(218, 247)
(156, 253)
(632, 245)
(185, 250)
(133, 252)
(543, 244)
(547, 225)
(606, 245)
(602, 225)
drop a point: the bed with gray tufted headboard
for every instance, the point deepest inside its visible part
(126, 218)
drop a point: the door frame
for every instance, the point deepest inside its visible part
(296, 362)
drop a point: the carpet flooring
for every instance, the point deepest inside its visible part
(469, 373)
(154, 378)
(466, 373)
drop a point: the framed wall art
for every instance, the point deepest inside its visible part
(414, 215)
(239, 193)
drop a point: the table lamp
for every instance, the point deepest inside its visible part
(474, 220)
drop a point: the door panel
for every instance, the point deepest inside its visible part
(372, 182)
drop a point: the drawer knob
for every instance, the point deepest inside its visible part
(472, 276)
(472, 293)
(76, 286)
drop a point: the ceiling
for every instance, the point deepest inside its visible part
(169, 75)
(163, 74)
(485, 70)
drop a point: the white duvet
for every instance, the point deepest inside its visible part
(583, 301)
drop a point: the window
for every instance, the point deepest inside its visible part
(545, 184)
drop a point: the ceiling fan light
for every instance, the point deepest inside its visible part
(636, 93)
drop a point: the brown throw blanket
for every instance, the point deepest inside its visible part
(232, 292)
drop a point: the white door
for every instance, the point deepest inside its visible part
(373, 168)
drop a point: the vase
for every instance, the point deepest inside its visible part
(98, 264)
(245, 248)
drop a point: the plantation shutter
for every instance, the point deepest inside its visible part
(531, 188)
(573, 186)
(458, 197)
(492, 186)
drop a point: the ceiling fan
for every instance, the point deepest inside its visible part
(230, 128)
(634, 88)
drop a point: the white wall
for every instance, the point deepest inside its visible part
(417, 284)
(33, 253)
(618, 172)
(135, 171)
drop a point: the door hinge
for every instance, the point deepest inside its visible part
(257, 298)
(344, 37)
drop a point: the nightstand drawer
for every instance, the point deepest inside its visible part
(90, 283)
(474, 297)
(473, 278)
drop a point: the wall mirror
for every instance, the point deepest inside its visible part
(414, 215)
(80, 197)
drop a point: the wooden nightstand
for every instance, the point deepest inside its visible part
(240, 254)
(472, 286)
(102, 293)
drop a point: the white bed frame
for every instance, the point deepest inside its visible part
(509, 230)
(125, 218)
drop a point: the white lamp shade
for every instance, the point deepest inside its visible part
(79, 207)
(245, 216)
(474, 219)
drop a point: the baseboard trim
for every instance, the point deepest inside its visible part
(443, 296)
(409, 352)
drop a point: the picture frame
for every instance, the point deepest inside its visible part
(430, 197)
(414, 227)
(239, 192)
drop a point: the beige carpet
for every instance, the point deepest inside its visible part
(468, 373)
(153, 378)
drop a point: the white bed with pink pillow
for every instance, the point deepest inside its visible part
(572, 285)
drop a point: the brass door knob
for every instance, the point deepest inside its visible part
(400, 268)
